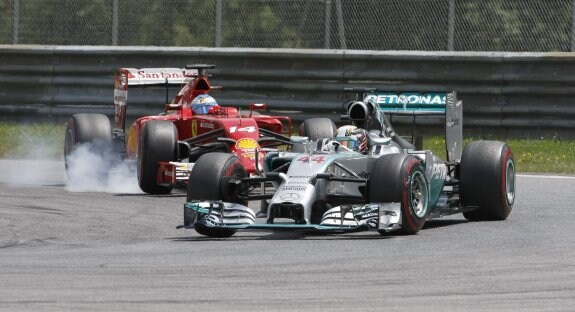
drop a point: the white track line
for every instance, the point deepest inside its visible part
(545, 176)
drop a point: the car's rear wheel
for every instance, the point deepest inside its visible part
(158, 143)
(92, 130)
(487, 180)
(208, 181)
(314, 129)
(318, 128)
(400, 178)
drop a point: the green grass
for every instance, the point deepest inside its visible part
(46, 141)
(531, 155)
(31, 140)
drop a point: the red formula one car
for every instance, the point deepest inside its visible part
(164, 147)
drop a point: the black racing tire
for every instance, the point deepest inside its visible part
(318, 128)
(92, 129)
(207, 182)
(487, 180)
(158, 142)
(401, 178)
(314, 129)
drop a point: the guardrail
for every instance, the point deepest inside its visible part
(527, 94)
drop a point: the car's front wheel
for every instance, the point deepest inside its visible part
(209, 181)
(400, 178)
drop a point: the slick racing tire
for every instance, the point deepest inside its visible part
(314, 129)
(318, 128)
(400, 178)
(158, 142)
(93, 130)
(207, 182)
(487, 180)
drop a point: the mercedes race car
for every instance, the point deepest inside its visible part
(164, 147)
(332, 187)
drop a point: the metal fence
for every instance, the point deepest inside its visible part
(427, 25)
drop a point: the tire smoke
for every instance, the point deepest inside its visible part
(93, 167)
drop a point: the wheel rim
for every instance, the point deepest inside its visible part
(419, 194)
(510, 182)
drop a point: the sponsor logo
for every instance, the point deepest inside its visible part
(247, 143)
(407, 98)
(120, 97)
(373, 214)
(294, 188)
(249, 155)
(290, 197)
(207, 125)
(438, 172)
(142, 74)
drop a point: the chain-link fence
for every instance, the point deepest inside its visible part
(432, 25)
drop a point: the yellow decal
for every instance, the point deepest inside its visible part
(132, 141)
(246, 143)
(194, 128)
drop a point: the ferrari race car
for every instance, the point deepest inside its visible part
(333, 187)
(163, 148)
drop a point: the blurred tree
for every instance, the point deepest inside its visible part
(486, 25)
(526, 25)
(167, 23)
(6, 12)
(257, 24)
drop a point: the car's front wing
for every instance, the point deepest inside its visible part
(341, 219)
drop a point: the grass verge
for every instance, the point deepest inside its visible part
(46, 141)
(31, 140)
(531, 155)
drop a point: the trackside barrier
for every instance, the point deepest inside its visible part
(517, 94)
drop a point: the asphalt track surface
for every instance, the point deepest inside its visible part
(97, 251)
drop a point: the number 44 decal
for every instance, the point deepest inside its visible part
(317, 159)
(244, 129)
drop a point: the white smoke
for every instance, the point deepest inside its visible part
(33, 160)
(30, 172)
(91, 169)
(36, 160)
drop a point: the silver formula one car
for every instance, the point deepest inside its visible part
(325, 184)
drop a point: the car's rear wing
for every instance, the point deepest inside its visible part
(145, 77)
(409, 103)
(420, 104)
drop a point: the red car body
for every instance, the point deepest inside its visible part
(244, 135)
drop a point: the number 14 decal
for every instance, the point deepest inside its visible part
(317, 159)
(244, 129)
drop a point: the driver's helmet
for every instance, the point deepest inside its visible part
(353, 138)
(203, 103)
